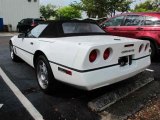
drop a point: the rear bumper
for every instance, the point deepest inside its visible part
(102, 77)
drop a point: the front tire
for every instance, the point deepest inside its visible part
(13, 56)
(44, 74)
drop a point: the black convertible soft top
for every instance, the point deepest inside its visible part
(71, 21)
(55, 28)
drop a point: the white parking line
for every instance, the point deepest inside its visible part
(149, 70)
(25, 102)
(1, 106)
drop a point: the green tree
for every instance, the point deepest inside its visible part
(124, 6)
(148, 6)
(118, 6)
(102, 8)
(156, 5)
(48, 11)
(68, 12)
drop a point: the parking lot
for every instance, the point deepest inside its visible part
(67, 103)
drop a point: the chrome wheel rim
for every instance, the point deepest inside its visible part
(12, 52)
(42, 74)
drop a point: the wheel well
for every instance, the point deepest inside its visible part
(37, 53)
(10, 42)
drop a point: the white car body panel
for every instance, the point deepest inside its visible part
(72, 53)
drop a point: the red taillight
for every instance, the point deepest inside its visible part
(141, 47)
(147, 46)
(65, 71)
(93, 56)
(33, 24)
(106, 54)
(68, 72)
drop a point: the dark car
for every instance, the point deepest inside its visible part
(27, 24)
(97, 20)
(145, 26)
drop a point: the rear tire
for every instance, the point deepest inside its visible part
(153, 51)
(44, 75)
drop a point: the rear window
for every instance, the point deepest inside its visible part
(27, 21)
(151, 21)
(38, 21)
(70, 28)
(134, 20)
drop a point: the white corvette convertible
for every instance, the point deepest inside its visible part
(79, 53)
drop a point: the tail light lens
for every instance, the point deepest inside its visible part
(141, 47)
(93, 56)
(147, 46)
(33, 24)
(106, 54)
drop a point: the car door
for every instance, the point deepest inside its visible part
(151, 27)
(112, 26)
(29, 44)
(131, 26)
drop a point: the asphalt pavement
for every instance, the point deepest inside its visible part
(67, 103)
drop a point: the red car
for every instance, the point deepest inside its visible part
(145, 26)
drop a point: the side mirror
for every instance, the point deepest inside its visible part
(103, 26)
(22, 35)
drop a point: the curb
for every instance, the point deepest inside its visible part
(5, 34)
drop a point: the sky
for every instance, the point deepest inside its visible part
(60, 3)
(136, 2)
(57, 2)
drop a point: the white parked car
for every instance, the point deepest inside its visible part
(79, 53)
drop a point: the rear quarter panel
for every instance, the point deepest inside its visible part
(62, 53)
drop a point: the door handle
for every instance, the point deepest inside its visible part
(31, 43)
(139, 28)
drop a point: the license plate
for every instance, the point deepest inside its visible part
(126, 60)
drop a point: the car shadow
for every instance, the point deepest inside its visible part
(156, 59)
(68, 92)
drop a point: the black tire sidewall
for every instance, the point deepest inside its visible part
(153, 49)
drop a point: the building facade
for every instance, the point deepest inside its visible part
(12, 11)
